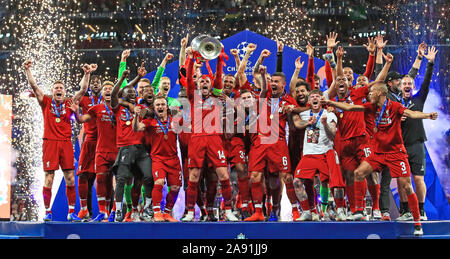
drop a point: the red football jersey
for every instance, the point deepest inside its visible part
(268, 128)
(352, 124)
(106, 128)
(126, 136)
(161, 148)
(90, 128)
(54, 130)
(388, 138)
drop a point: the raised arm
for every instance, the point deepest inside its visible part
(140, 74)
(298, 67)
(84, 84)
(217, 86)
(425, 87)
(383, 73)
(332, 91)
(36, 90)
(416, 65)
(310, 72)
(75, 107)
(280, 47)
(160, 72)
(243, 64)
(262, 71)
(182, 56)
(380, 43)
(116, 89)
(331, 44)
(123, 66)
(371, 47)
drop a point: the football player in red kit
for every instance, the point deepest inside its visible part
(86, 164)
(106, 148)
(388, 149)
(206, 142)
(269, 148)
(165, 161)
(57, 146)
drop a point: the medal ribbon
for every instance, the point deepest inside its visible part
(317, 120)
(93, 102)
(57, 111)
(166, 129)
(381, 114)
(110, 114)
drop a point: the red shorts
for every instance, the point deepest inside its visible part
(168, 168)
(327, 165)
(86, 164)
(206, 147)
(396, 162)
(273, 157)
(57, 153)
(239, 152)
(352, 152)
(104, 161)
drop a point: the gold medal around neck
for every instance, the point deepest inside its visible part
(375, 129)
(342, 115)
(271, 116)
(247, 127)
(166, 137)
(128, 123)
(58, 120)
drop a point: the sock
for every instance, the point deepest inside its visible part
(148, 201)
(257, 194)
(211, 192)
(360, 192)
(135, 195)
(244, 189)
(226, 193)
(305, 205)
(414, 206)
(71, 197)
(170, 200)
(47, 194)
(374, 191)
(309, 189)
(350, 190)
(101, 192)
(421, 206)
(157, 196)
(290, 192)
(191, 195)
(127, 193)
(324, 191)
(83, 192)
(118, 205)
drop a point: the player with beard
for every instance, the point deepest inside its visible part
(319, 157)
(165, 161)
(57, 146)
(269, 148)
(86, 164)
(206, 143)
(414, 136)
(295, 141)
(388, 148)
(106, 149)
(132, 152)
